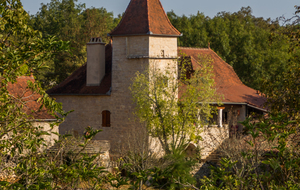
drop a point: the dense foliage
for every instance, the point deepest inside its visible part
(70, 21)
(253, 46)
(24, 161)
(264, 54)
(267, 156)
(175, 121)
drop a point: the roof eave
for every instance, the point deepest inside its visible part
(79, 94)
(239, 103)
(43, 120)
(145, 34)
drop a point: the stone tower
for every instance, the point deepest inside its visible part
(144, 39)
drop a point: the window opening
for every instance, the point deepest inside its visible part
(162, 53)
(225, 118)
(105, 118)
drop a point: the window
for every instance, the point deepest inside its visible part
(105, 118)
(162, 53)
(225, 118)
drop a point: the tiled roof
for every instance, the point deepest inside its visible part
(145, 17)
(75, 84)
(19, 89)
(227, 81)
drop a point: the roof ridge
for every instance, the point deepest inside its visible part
(221, 59)
(66, 80)
(195, 48)
(148, 15)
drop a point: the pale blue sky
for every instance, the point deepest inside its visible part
(260, 8)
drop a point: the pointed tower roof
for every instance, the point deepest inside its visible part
(145, 17)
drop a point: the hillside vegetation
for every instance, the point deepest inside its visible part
(51, 45)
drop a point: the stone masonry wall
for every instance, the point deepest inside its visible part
(88, 109)
(135, 45)
(50, 139)
(167, 44)
(212, 137)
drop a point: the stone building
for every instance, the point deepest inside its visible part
(98, 91)
(239, 100)
(38, 118)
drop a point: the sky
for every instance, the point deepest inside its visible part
(261, 8)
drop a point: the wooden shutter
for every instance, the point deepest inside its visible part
(105, 118)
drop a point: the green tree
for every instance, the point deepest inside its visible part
(175, 120)
(240, 38)
(70, 21)
(62, 19)
(23, 51)
(283, 86)
(275, 167)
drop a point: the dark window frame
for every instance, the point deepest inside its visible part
(106, 118)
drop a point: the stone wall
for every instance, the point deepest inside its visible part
(212, 136)
(158, 44)
(130, 54)
(88, 109)
(94, 147)
(136, 46)
(45, 126)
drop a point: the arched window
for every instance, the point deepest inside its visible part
(105, 118)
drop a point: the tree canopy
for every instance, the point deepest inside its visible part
(244, 41)
(175, 109)
(70, 21)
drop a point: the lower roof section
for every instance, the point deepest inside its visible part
(75, 84)
(227, 81)
(29, 99)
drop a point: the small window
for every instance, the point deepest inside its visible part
(225, 118)
(162, 53)
(106, 118)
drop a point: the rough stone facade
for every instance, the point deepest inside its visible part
(130, 54)
(46, 126)
(212, 136)
(145, 39)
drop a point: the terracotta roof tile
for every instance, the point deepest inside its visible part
(19, 89)
(145, 17)
(227, 81)
(75, 84)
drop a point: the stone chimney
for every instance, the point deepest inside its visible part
(95, 62)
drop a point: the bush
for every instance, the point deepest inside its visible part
(178, 170)
(273, 168)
